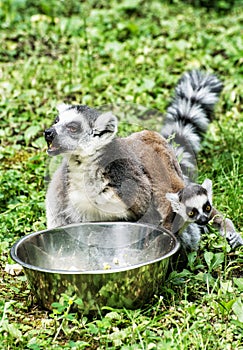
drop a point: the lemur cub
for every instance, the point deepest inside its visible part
(193, 205)
(137, 178)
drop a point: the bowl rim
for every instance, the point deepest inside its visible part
(14, 248)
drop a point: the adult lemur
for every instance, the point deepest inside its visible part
(137, 178)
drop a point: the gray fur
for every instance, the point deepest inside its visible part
(191, 237)
(138, 178)
(100, 179)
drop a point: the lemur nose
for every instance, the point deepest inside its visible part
(50, 134)
(203, 220)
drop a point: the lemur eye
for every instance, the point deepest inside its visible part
(192, 212)
(207, 207)
(72, 127)
(56, 120)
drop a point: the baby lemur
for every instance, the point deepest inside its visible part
(137, 178)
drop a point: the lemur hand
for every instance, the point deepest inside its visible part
(226, 229)
(234, 238)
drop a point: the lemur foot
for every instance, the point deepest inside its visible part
(234, 239)
(227, 230)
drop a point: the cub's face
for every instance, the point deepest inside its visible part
(80, 130)
(198, 209)
(193, 203)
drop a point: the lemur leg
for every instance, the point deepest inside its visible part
(226, 228)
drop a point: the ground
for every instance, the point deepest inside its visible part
(128, 53)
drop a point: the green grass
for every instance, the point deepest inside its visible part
(101, 53)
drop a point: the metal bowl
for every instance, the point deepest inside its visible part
(115, 264)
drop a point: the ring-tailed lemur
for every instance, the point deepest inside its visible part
(187, 120)
(106, 178)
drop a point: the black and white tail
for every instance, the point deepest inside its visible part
(189, 114)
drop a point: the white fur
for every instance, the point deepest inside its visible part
(90, 195)
(197, 202)
(173, 198)
(106, 121)
(191, 236)
(62, 107)
(193, 112)
(208, 185)
(68, 115)
(187, 133)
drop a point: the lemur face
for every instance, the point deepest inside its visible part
(193, 203)
(198, 209)
(80, 130)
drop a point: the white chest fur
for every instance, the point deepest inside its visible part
(90, 196)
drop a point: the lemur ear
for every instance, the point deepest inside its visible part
(105, 123)
(208, 185)
(174, 200)
(62, 107)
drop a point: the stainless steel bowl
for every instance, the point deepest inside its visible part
(115, 264)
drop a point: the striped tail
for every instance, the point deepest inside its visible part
(189, 115)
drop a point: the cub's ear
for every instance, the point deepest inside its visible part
(105, 123)
(174, 200)
(208, 185)
(62, 107)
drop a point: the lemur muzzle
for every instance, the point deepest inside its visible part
(50, 134)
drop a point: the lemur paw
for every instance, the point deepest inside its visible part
(234, 239)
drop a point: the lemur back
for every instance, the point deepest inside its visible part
(105, 178)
